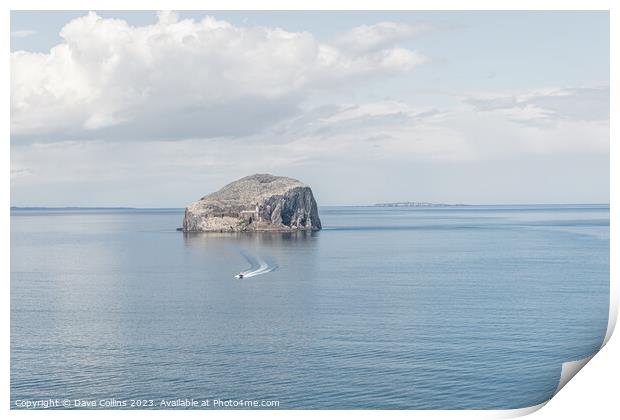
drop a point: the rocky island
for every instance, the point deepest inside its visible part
(260, 202)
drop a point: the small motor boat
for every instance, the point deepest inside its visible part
(239, 276)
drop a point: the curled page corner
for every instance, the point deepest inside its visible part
(613, 311)
(570, 369)
(519, 412)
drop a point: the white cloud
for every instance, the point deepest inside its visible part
(548, 107)
(372, 37)
(23, 33)
(390, 149)
(180, 79)
(19, 172)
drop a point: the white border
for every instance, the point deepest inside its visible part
(597, 381)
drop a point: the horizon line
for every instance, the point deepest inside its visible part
(430, 205)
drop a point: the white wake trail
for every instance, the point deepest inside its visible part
(263, 268)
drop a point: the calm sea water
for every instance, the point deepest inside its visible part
(420, 308)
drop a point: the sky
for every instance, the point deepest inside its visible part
(157, 109)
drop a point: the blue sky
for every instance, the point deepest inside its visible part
(476, 107)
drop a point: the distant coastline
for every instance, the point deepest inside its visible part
(417, 204)
(72, 208)
(91, 209)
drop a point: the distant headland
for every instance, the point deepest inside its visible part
(417, 204)
(64, 208)
(260, 202)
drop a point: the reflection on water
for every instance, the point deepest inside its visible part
(249, 239)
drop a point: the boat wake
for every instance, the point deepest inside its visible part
(258, 266)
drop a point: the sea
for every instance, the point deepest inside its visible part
(466, 307)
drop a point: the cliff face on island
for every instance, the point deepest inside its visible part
(260, 202)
